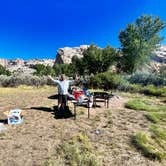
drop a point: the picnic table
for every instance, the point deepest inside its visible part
(77, 103)
(101, 97)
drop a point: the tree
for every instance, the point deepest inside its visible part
(97, 60)
(78, 66)
(109, 57)
(138, 41)
(42, 70)
(4, 71)
(63, 69)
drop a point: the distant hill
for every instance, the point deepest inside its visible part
(64, 56)
(23, 66)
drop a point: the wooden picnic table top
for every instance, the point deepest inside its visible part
(102, 95)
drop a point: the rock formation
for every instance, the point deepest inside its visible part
(64, 55)
(4, 62)
(160, 54)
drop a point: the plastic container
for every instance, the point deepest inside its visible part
(77, 94)
(15, 117)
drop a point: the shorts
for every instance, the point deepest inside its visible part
(62, 99)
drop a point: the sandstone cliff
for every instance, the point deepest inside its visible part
(64, 55)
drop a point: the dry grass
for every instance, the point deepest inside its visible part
(36, 140)
(153, 144)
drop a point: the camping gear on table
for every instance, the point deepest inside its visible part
(77, 94)
(15, 117)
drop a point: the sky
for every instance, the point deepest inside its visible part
(36, 29)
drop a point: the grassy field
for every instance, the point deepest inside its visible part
(116, 136)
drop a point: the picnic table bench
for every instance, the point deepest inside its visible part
(101, 97)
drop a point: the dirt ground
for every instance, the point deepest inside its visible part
(35, 140)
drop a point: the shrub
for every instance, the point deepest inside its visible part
(108, 80)
(42, 70)
(154, 91)
(146, 78)
(14, 81)
(66, 69)
(4, 71)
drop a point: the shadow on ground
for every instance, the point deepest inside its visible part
(3, 121)
(56, 97)
(59, 113)
(53, 97)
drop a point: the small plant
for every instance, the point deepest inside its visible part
(78, 151)
(146, 105)
(108, 115)
(48, 162)
(156, 117)
(154, 91)
(149, 146)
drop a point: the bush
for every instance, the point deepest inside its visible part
(4, 71)
(146, 78)
(14, 81)
(108, 80)
(66, 69)
(154, 91)
(42, 70)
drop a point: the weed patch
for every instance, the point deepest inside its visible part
(156, 117)
(146, 105)
(78, 151)
(149, 145)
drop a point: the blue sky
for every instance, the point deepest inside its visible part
(36, 28)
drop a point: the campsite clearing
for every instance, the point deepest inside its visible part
(44, 139)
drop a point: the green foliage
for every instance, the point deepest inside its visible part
(78, 65)
(150, 145)
(154, 91)
(14, 81)
(156, 117)
(162, 72)
(95, 60)
(146, 78)
(138, 41)
(108, 80)
(42, 70)
(146, 105)
(4, 71)
(78, 151)
(66, 69)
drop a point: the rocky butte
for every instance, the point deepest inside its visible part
(64, 55)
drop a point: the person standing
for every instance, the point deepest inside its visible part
(63, 86)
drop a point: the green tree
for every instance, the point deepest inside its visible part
(109, 57)
(97, 60)
(138, 41)
(4, 71)
(42, 70)
(78, 65)
(63, 69)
